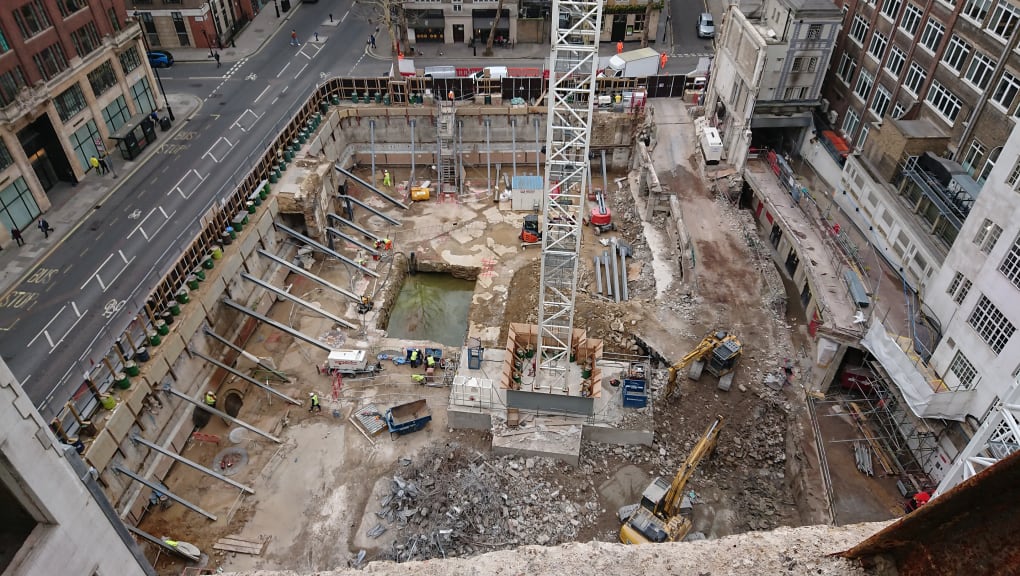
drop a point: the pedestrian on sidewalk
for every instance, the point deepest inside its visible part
(217, 57)
(94, 163)
(293, 38)
(45, 227)
(16, 234)
(371, 40)
(104, 165)
(619, 47)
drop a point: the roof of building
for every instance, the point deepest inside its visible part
(526, 183)
(920, 128)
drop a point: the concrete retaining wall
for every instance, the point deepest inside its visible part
(465, 418)
(617, 436)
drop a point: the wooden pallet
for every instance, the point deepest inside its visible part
(369, 418)
(241, 545)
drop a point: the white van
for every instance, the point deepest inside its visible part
(440, 72)
(492, 73)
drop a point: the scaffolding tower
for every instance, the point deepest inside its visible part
(448, 175)
(573, 64)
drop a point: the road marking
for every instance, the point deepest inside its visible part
(300, 71)
(99, 279)
(252, 76)
(177, 187)
(46, 333)
(285, 66)
(249, 124)
(344, 17)
(148, 235)
(42, 275)
(112, 307)
(209, 153)
(261, 94)
(19, 299)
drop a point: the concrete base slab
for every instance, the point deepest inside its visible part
(543, 437)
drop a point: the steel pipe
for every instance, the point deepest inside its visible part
(170, 390)
(275, 324)
(191, 463)
(245, 377)
(326, 250)
(369, 187)
(309, 275)
(163, 490)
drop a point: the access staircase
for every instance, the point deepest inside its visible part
(447, 164)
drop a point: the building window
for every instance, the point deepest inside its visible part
(851, 121)
(963, 370)
(976, 10)
(878, 44)
(956, 52)
(944, 101)
(859, 28)
(864, 83)
(639, 22)
(460, 7)
(145, 102)
(987, 235)
(31, 19)
(974, 155)
(11, 82)
(181, 28)
(1006, 90)
(915, 78)
(85, 39)
(5, 156)
(111, 13)
(979, 73)
(17, 210)
(961, 291)
(1014, 175)
(83, 140)
(1010, 266)
(814, 32)
(881, 102)
(891, 8)
(898, 110)
(69, 102)
(991, 324)
(4, 45)
(116, 114)
(954, 284)
(129, 60)
(805, 64)
(102, 78)
(796, 93)
(982, 176)
(1003, 20)
(932, 35)
(897, 58)
(68, 7)
(911, 19)
(50, 61)
(846, 69)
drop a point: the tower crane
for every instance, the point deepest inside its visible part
(573, 63)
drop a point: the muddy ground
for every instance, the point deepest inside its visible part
(318, 494)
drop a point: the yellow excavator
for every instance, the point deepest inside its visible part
(718, 352)
(658, 517)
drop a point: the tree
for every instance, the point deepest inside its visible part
(492, 30)
(388, 14)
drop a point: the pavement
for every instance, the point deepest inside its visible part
(71, 204)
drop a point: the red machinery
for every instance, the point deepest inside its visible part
(530, 234)
(601, 219)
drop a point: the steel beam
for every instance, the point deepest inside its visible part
(245, 377)
(370, 249)
(240, 350)
(146, 536)
(163, 490)
(169, 389)
(371, 188)
(326, 250)
(309, 275)
(389, 219)
(275, 324)
(346, 222)
(190, 463)
(296, 300)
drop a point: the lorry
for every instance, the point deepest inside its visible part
(632, 64)
(408, 417)
(350, 363)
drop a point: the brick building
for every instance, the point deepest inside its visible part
(71, 74)
(172, 24)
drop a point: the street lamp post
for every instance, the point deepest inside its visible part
(145, 42)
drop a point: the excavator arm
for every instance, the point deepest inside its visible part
(669, 507)
(706, 346)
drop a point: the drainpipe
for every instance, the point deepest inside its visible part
(983, 99)
(371, 132)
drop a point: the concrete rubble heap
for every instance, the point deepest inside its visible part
(454, 501)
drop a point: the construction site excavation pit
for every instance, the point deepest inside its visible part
(431, 306)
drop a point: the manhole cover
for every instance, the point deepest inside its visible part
(228, 462)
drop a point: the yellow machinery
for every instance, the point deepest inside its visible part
(718, 352)
(658, 518)
(421, 192)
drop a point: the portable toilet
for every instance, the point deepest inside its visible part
(711, 145)
(526, 193)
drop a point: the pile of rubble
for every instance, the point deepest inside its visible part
(454, 502)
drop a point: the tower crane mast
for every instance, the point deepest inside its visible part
(573, 64)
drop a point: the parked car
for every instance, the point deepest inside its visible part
(706, 26)
(161, 59)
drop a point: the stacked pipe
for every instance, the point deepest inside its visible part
(611, 272)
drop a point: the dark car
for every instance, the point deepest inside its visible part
(161, 59)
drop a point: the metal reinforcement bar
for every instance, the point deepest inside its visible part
(295, 268)
(163, 490)
(241, 351)
(389, 219)
(295, 299)
(349, 224)
(351, 175)
(168, 389)
(191, 463)
(275, 324)
(370, 249)
(244, 377)
(598, 275)
(326, 250)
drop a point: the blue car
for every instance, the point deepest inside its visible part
(161, 59)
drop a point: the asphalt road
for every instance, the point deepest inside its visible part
(74, 303)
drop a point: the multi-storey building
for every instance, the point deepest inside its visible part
(71, 74)
(527, 21)
(952, 61)
(768, 73)
(196, 23)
